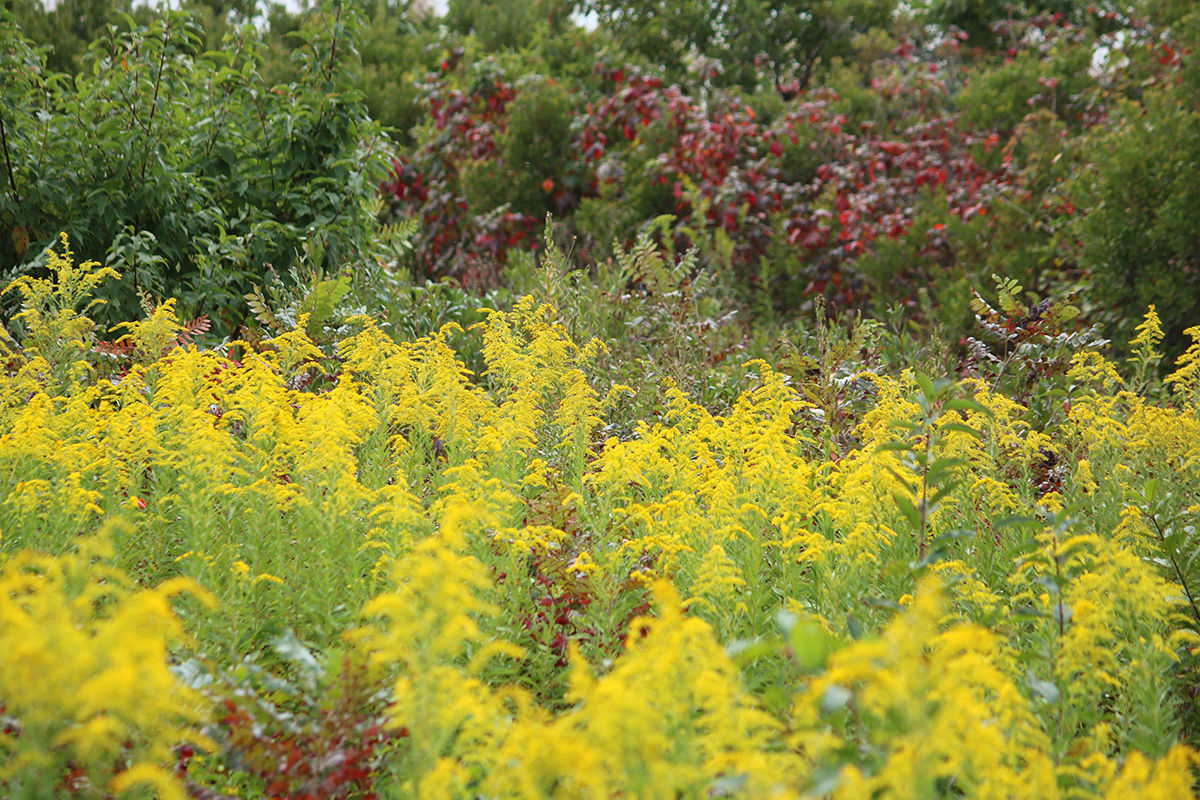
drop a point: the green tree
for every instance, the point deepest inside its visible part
(181, 168)
(783, 40)
(976, 17)
(1141, 233)
(507, 25)
(69, 27)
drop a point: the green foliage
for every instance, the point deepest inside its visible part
(536, 148)
(1027, 348)
(977, 17)
(999, 97)
(929, 475)
(503, 24)
(68, 27)
(824, 360)
(322, 308)
(393, 49)
(744, 43)
(54, 313)
(661, 316)
(896, 270)
(537, 143)
(181, 169)
(1169, 524)
(1140, 235)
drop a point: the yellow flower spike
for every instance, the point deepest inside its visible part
(1171, 777)
(155, 777)
(296, 350)
(449, 328)
(83, 676)
(1092, 371)
(1149, 335)
(936, 705)
(54, 313)
(669, 718)
(1084, 478)
(154, 336)
(1185, 379)
(183, 585)
(583, 565)
(718, 584)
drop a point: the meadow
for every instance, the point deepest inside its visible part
(531, 399)
(289, 570)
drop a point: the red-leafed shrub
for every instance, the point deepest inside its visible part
(821, 198)
(302, 742)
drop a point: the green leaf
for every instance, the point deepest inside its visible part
(935, 499)
(1051, 583)
(909, 510)
(966, 404)
(943, 466)
(962, 428)
(1046, 689)
(926, 385)
(811, 645)
(746, 651)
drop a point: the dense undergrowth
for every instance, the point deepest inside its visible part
(292, 569)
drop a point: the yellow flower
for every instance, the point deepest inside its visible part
(1186, 377)
(85, 673)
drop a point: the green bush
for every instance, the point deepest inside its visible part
(536, 152)
(1141, 233)
(999, 97)
(181, 168)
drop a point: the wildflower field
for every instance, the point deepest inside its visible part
(275, 571)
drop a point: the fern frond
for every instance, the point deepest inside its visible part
(262, 312)
(197, 327)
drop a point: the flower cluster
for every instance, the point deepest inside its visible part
(711, 604)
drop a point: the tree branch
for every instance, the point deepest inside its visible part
(12, 181)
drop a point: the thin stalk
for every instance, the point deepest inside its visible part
(12, 181)
(1162, 540)
(924, 495)
(162, 59)
(1062, 627)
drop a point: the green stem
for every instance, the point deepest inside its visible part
(1162, 540)
(924, 495)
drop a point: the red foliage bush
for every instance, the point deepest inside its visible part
(813, 181)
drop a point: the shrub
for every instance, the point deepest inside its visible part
(999, 96)
(180, 169)
(785, 209)
(1140, 234)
